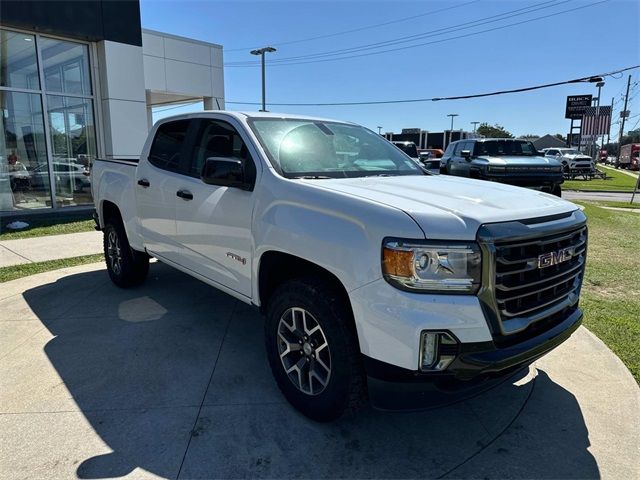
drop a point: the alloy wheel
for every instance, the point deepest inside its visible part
(114, 252)
(304, 351)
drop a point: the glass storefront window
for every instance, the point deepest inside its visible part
(73, 145)
(18, 60)
(66, 66)
(65, 92)
(24, 172)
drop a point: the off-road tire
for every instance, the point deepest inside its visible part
(133, 265)
(345, 391)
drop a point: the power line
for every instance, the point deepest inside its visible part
(435, 41)
(359, 29)
(410, 38)
(437, 99)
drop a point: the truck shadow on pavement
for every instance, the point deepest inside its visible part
(172, 377)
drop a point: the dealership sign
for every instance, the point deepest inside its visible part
(576, 105)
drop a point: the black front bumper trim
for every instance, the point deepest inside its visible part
(477, 367)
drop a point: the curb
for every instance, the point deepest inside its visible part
(629, 192)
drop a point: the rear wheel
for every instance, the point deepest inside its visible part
(557, 191)
(126, 267)
(313, 351)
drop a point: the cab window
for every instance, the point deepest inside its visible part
(219, 139)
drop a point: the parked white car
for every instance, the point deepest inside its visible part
(373, 275)
(573, 161)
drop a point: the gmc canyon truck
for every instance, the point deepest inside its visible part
(379, 282)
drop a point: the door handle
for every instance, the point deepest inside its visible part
(143, 182)
(185, 194)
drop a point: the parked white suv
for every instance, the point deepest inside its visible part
(573, 161)
(374, 276)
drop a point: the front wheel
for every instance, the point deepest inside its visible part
(313, 351)
(126, 267)
(557, 191)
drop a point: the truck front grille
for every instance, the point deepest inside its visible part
(532, 272)
(524, 289)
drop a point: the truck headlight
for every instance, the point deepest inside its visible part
(497, 169)
(432, 267)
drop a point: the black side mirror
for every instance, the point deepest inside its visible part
(226, 172)
(466, 154)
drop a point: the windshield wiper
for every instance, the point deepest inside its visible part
(312, 177)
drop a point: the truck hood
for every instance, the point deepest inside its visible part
(450, 208)
(520, 160)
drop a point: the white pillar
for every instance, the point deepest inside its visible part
(122, 93)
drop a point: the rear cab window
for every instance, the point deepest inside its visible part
(168, 145)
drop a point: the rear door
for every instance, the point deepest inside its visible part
(158, 178)
(214, 226)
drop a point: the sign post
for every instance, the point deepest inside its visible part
(574, 110)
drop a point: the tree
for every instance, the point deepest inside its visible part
(559, 136)
(495, 131)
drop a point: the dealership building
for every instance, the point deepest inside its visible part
(426, 139)
(78, 80)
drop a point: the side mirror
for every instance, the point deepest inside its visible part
(466, 154)
(225, 172)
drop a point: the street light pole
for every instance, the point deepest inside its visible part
(261, 52)
(379, 130)
(475, 124)
(452, 115)
(597, 122)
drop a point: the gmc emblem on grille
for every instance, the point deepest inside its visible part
(554, 258)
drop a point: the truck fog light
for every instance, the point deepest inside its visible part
(437, 350)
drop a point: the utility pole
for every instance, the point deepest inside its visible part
(624, 116)
(379, 130)
(474, 126)
(261, 52)
(452, 115)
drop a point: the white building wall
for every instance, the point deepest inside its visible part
(165, 70)
(123, 102)
(178, 69)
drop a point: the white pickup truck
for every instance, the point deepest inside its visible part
(378, 281)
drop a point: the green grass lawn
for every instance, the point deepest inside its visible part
(606, 203)
(615, 181)
(41, 225)
(611, 291)
(19, 271)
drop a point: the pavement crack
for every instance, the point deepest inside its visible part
(194, 432)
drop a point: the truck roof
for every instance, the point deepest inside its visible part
(243, 115)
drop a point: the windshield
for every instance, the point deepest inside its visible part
(408, 148)
(496, 148)
(570, 151)
(305, 148)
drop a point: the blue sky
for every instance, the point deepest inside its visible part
(592, 39)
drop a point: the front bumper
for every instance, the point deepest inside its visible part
(529, 180)
(478, 367)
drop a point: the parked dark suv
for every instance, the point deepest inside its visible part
(505, 160)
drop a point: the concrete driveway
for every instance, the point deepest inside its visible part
(600, 196)
(170, 380)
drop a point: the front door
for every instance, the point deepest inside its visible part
(214, 227)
